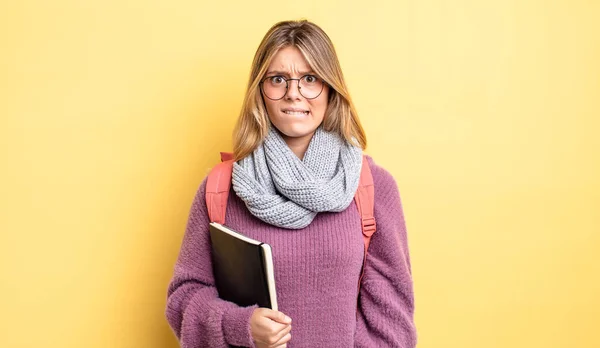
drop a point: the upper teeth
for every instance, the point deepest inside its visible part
(295, 112)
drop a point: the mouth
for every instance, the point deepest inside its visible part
(295, 112)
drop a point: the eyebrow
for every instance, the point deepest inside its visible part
(278, 72)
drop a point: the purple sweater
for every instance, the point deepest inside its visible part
(316, 274)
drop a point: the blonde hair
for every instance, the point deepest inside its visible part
(316, 47)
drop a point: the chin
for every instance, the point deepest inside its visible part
(296, 132)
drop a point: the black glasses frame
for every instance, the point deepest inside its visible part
(287, 85)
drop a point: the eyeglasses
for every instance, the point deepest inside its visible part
(276, 87)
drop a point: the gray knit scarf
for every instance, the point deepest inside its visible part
(285, 191)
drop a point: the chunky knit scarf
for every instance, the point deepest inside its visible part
(283, 190)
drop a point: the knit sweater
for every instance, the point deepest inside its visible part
(316, 275)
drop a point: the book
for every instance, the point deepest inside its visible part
(243, 268)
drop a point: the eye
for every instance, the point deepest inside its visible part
(276, 80)
(310, 79)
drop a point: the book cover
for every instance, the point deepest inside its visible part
(243, 268)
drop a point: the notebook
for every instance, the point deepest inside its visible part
(243, 268)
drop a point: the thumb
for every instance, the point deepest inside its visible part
(278, 317)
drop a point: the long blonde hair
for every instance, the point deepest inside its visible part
(316, 47)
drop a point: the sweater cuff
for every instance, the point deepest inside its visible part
(236, 326)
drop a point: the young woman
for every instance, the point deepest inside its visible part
(298, 148)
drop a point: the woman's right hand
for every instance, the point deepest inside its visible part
(270, 328)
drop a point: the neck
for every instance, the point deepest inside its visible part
(298, 145)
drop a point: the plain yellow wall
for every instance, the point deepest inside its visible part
(486, 112)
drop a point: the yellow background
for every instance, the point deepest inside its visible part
(486, 112)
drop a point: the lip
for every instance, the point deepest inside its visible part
(295, 110)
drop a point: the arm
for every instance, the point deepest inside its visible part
(386, 306)
(194, 311)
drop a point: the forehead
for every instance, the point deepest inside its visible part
(289, 59)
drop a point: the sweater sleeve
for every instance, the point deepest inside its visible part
(386, 304)
(194, 311)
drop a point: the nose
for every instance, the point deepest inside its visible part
(293, 91)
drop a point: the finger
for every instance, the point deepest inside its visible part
(278, 339)
(271, 333)
(283, 342)
(277, 316)
(273, 337)
(277, 330)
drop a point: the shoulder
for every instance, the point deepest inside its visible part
(198, 206)
(386, 193)
(387, 202)
(382, 178)
(215, 178)
(199, 199)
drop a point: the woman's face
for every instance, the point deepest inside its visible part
(294, 115)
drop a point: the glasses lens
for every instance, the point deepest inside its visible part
(310, 86)
(274, 87)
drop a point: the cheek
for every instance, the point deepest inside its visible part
(271, 107)
(321, 106)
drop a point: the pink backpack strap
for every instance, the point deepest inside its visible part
(217, 188)
(365, 202)
(226, 156)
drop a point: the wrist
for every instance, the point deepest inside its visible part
(236, 326)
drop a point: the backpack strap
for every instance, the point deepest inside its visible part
(219, 183)
(226, 156)
(217, 188)
(365, 202)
